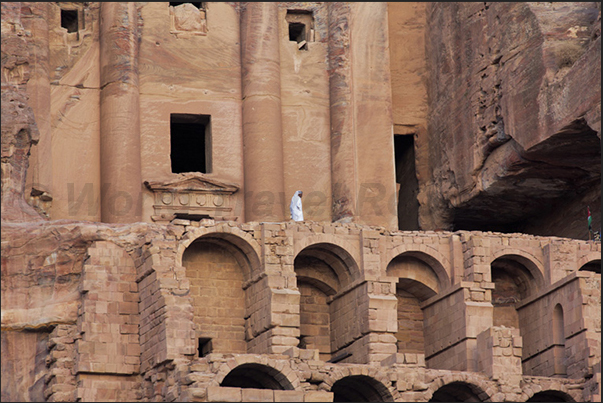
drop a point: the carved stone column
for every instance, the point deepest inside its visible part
(120, 121)
(343, 147)
(362, 178)
(262, 129)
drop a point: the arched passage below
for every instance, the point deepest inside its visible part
(256, 376)
(455, 392)
(551, 396)
(594, 266)
(360, 388)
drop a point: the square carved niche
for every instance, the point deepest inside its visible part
(188, 19)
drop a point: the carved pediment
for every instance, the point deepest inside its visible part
(191, 195)
(192, 182)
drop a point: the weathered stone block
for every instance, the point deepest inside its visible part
(223, 394)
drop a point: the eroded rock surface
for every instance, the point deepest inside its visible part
(19, 131)
(514, 128)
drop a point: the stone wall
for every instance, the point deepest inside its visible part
(537, 314)
(146, 264)
(216, 289)
(108, 317)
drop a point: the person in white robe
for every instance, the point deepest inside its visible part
(295, 207)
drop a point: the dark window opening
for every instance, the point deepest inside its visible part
(301, 27)
(406, 177)
(69, 20)
(190, 141)
(199, 5)
(297, 32)
(205, 346)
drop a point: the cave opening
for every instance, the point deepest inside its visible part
(545, 191)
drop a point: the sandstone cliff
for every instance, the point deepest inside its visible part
(19, 131)
(514, 123)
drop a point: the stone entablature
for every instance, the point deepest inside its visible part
(460, 331)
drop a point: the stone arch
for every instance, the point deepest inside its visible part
(219, 267)
(340, 261)
(242, 244)
(590, 262)
(323, 270)
(348, 252)
(421, 273)
(528, 260)
(552, 386)
(256, 376)
(251, 370)
(371, 385)
(550, 396)
(429, 255)
(456, 389)
(360, 388)
(516, 278)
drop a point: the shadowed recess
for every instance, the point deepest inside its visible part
(256, 376)
(360, 388)
(455, 392)
(551, 396)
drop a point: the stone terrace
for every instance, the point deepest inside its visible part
(220, 311)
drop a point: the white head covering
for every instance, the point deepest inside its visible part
(295, 207)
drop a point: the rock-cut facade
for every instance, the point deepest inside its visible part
(448, 155)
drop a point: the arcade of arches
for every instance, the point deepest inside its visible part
(331, 312)
(330, 299)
